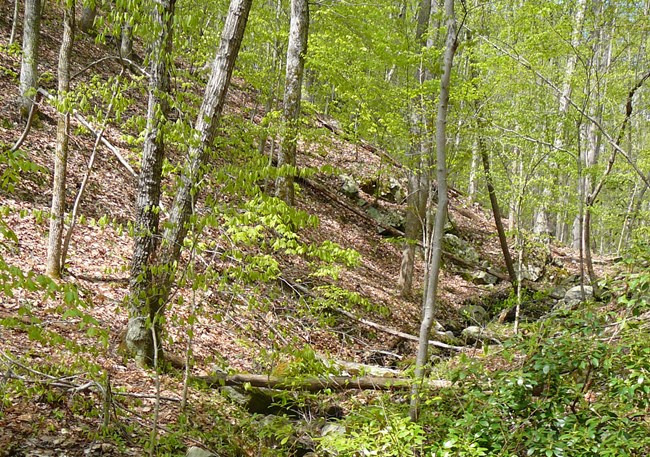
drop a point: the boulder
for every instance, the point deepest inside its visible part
(474, 334)
(195, 451)
(575, 293)
(349, 186)
(385, 218)
(482, 278)
(475, 314)
(460, 248)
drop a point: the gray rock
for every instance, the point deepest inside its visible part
(460, 248)
(474, 333)
(349, 186)
(531, 272)
(475, 314)
(482, 278)
(575, 293)
(236, 396)
(385, 218)
(330, 427)
(198, 452)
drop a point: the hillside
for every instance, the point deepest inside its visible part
(56, 359)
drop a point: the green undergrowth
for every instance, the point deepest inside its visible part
(575, 384)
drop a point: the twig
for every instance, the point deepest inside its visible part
(131, 63)
(28, 126)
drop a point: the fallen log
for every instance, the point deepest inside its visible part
(316, 384)
(391, 331)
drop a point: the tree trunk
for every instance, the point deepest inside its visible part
(53, 265)
(495, 209)
(29, 64)
(296, 51)
(441, 213)
(417, 171)
(14, 22)
(163, 272)
(87, 19)
(142, 312)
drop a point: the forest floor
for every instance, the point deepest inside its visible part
(231, 332)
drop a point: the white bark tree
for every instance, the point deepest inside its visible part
(296, 51)
(435, 249)
(29, 64)
(53, 265)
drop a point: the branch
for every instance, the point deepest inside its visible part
(104, 141)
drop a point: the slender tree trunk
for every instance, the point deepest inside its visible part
(14, 22)
(503, 241)
(142, 306)
(441, 213)
(53, 266)
(29, 65)
(163, 270)
(417, 170)
(296, 51)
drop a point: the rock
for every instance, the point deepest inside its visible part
(474, 333)
(460, 248)
(475, 314)
(332, 428)
(575, 293)
(385, 218)
(198, 452)
(482, 278)
(349, 186)
(532, 272)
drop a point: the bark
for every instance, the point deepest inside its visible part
(163, 272)
(29, 64)
(296, 51)
(417, 171)
(142, 312)
(335, 383)
(441, 213)
(53, 266)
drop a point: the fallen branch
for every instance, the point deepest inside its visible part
(391, 331)
(28, 125)
(319, 384)
(104, 141)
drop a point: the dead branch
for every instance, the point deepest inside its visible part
(391, 331)
(104, 141)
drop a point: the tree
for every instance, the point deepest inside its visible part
(143, 314)
(149, 183)
(418, 165)
(435, 248)
(87, 18)
(29, 64)
(296, 50)
(53, 266)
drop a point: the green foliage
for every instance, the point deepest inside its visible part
(15, 166)
(376, 430)
(335, 296)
